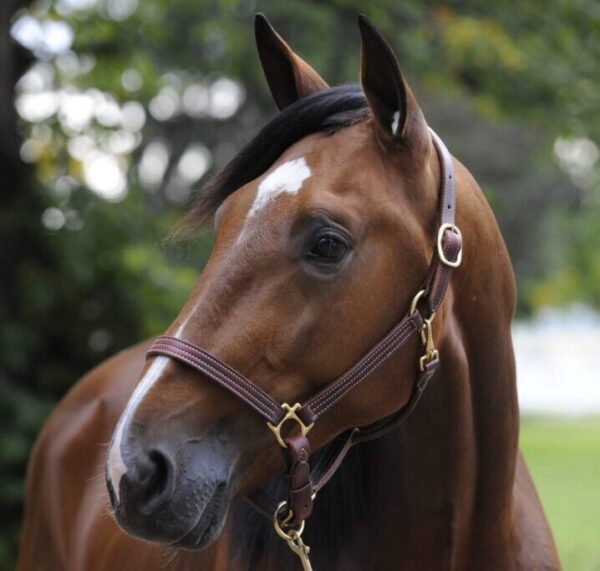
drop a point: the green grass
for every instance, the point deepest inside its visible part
(564, 459)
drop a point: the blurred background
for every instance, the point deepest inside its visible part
(114, 112)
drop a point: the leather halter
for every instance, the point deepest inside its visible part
(302, 484)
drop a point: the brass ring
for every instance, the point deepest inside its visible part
(415, 301)
(293, 534)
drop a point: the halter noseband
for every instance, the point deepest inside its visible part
(303, 485)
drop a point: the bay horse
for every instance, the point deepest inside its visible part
(325, 227)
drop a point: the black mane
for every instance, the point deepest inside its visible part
(339, 512)
(324, 111)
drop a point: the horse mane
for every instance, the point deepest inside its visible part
(324, 111)
(340, 509)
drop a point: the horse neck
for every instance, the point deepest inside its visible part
(440, 488)
(442, 485)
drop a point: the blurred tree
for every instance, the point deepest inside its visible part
(125, 106)
(15, 439)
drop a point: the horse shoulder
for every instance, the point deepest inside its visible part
(67, 462)
(535, 547)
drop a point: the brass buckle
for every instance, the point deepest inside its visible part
(289, 415)
(440, 248)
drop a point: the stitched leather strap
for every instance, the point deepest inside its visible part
(220, 372)
(321, 402)
(382, 427)
(447, 183)
(265, 405)
(297, 478)
(439, 274)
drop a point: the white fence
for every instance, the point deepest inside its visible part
(558, 362)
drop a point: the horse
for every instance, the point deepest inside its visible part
(325, 227)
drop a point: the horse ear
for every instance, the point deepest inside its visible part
(391, 100)
(289, 77)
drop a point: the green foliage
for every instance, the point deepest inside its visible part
(576, 273)
(90, 292)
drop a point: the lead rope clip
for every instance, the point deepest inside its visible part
(293, 537)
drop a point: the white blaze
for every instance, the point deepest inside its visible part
(116, 464)
(287, 177)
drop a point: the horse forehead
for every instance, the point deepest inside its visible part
(312, 171)
(286, 178)
(312, 164)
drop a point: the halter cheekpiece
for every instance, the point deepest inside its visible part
(303, 484)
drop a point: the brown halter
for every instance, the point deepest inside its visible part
(302, 484)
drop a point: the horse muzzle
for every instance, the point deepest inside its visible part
(176, 496)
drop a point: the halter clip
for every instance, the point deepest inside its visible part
(293, 537)
(430, 351)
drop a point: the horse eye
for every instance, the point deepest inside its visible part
(328, 248)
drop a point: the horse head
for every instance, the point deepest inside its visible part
(323, 231)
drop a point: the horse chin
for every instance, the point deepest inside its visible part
(210, 523)
(180, 523)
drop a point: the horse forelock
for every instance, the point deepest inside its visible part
(326, 111)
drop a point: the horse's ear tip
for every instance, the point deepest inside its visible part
(364, 23)
(261, 21)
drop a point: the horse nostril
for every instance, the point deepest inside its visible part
(158, 483)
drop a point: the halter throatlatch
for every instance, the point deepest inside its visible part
(303, 485)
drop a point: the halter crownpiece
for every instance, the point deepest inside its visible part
(290, 514)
